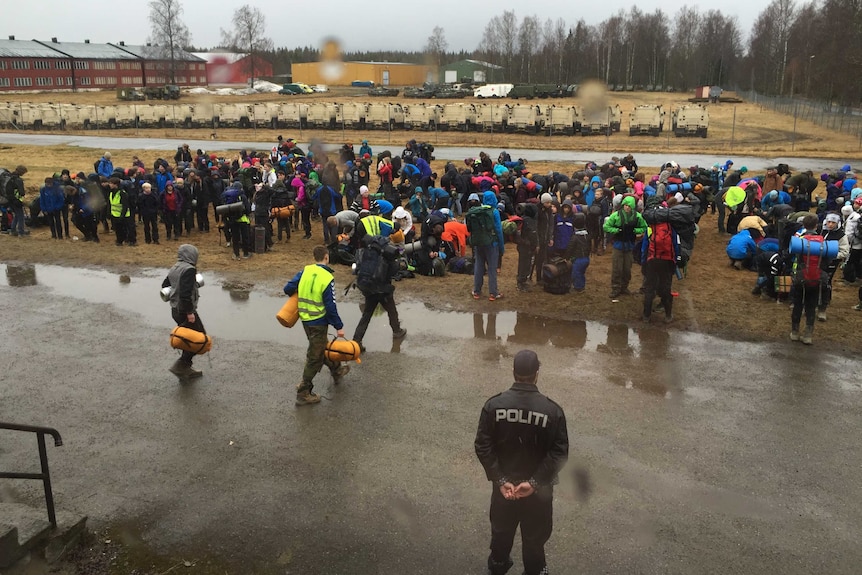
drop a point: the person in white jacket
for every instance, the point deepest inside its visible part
(831, 230)
(853, 266)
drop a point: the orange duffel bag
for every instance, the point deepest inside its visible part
(187, 339)
(288, 315)
(340, 349)
(282, 213)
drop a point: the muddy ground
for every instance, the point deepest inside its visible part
(714, 298)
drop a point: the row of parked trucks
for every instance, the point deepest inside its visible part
(464, 117)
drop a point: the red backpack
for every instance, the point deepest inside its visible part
(661, 243)
(806, 268)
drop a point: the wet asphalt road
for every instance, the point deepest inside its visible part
(703, 455)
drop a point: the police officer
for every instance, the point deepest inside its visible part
(522, 443)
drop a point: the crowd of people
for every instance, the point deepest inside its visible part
(461, 221)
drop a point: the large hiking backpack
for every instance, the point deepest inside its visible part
(480, 224)
(806, 267)
(557, 276)
(373, 269)
(661, 242)
(5, 178)
(461, 265)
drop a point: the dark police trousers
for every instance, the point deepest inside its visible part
(535, 516)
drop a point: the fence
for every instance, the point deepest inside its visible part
(842, 119)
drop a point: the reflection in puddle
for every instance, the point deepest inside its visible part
(21, 275)
(241, 311)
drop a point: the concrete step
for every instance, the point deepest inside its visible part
(25, 530)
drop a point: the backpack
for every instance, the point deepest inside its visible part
(372, 271)
(557, 276)
(96, 166)
(857, 233)
(480, 224)
(461, 265)
(661, 243)
(806, 267)
(5, 178)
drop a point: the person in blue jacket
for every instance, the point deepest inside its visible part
(590, 192)
(741, 249)
(773, 198)
(439, 198)
(365, 149)
(105, 167)
(51, 201)
(315, 287)
(423, 166)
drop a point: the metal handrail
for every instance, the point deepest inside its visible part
(45, 476)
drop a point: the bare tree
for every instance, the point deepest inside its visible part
(168, 34)
(248, 35)
(437, 45)
(528, 42)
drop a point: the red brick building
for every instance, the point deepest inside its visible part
(228, 68)
(54, 65)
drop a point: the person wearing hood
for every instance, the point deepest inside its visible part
(624, 225)
(831, 230)
(590, 193)
(486, 237)
(742, 247)
(365, 149)
(184, 303)
(404, 221)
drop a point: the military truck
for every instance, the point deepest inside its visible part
(422, 116)
(130, 94)
(461, 117)
(492, 118)
(384, 116)
(321, 115)
(352, 115)
(292, 115)
(646, 119)
(603, 120)
(168, 92)
(524, 118)
(690, 120)
(563, 120)
(530, 91)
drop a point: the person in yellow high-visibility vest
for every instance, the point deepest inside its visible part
(315, 287)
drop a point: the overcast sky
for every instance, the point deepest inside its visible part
(380, 25)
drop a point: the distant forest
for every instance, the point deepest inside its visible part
(812, 50)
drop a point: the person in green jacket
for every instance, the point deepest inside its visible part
(624, 225)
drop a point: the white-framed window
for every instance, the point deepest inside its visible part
(2, 64)
(60, 81)
(203, 79)
(42, 81)
(63, 65)
(23, 82)
(20, 64)
(85, 81)
(4, 82)
(68, 80)
(41, 65)
(82, 65)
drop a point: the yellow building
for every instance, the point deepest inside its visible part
(344, 73)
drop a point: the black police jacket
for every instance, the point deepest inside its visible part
(522, 435)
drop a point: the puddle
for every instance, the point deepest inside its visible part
(639, 359)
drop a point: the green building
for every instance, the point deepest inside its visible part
(474, 71)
